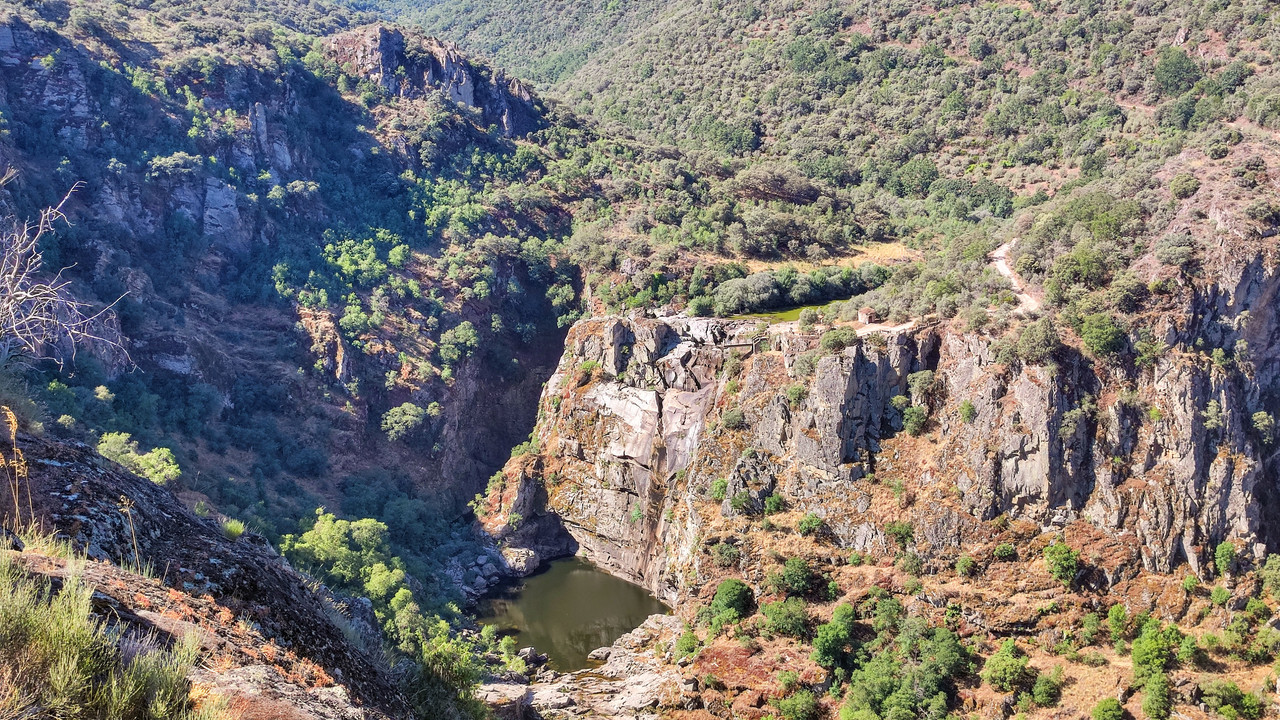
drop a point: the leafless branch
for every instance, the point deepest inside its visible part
(39, 317)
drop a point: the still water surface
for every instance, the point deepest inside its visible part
(568, 610)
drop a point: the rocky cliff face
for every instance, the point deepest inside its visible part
(635, 430)
(410, 67)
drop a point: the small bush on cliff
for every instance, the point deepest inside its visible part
(1063, 562)
(719, 488)
(832, 642)
(968, 412)
(686, 645)
(1228, 700)
(795, 578)
(1184, 185)
(733, 419)
(1224, 558)
(402, 421)
(838, 339)
(914, 419)
(774, 504)
(1047, 689)
(902, 532)
(1265, 425)
(1154, 649)
(1102, 335)
(1270, 575)
(1038, 342)
(232, 528)
(732, 599)
(725, 555)
(787, 617)
(809, 524)
(1007, 669)
(1108, 709)
(1005, 552)
(157, 465)
(1157, 700)
(800, 706)
(966, 566)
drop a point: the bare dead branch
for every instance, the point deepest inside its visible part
(39, 316)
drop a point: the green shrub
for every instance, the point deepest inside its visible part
(1154, 649)
(900, 531)
(719, 488)
(789, 680)
(71, 665)
(1224, 558)
(787, 617)
(800, 706)
(968, 412)
(1219, 595)
(920, 384)
(910, 563)
(1063, 562)
(1265, 425)
(1175, 71)
(809, 524)
(733, 419)
(1108, 709)
(838, 339)
(1005, 552)
(1038, 342)
(1157, 699)
(157, 465)
(702, 306)
(402, 421)
(1228, 700)
(1102, 335)
(1089, 626)
(966, 566)
(1184, 185)
(232, 528)
(1047, 689)
(914, 419)
(774, 504)
(832, 641)
(796, 394)
(1190, 583)
(1118, 622)
(795, 578)
(687, 644)
(725, 555)
(1270, 574)
(732, 599)
(1006, 670)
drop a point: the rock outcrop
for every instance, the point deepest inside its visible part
(636, 426)
(281, 649)
(414, 65)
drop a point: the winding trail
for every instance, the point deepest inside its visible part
(1027, 303)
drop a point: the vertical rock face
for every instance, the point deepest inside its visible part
(410, 67)
(632, 433)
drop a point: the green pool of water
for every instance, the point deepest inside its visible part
(568, 610)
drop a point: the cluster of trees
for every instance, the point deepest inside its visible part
(356, 557)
